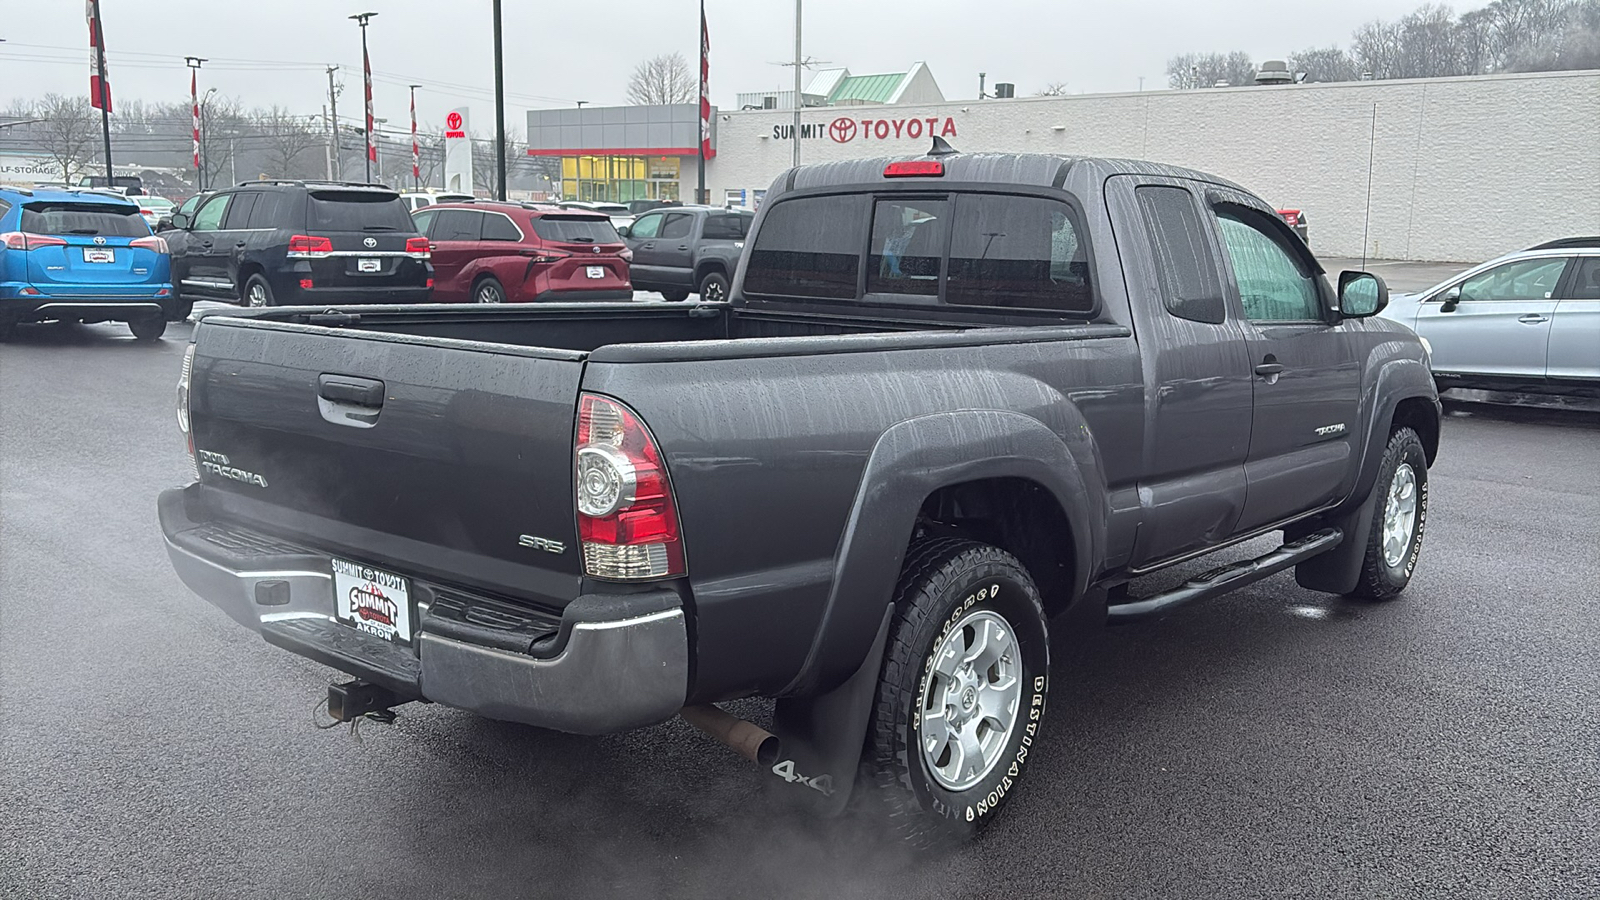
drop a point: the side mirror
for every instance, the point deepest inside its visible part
(1451, 298)
(164, 223)
(624, 230)
(180, 220)
(1361, 294)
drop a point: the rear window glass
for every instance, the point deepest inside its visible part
(908, 238)
(267, 211)
(579, 229)
(1019, 253)
(1190, 285)
(83, 218)
(677, 225)
(357, 211)
(238, 215)
(809, 247)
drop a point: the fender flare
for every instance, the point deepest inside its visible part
(1397, 379)
(910, 461)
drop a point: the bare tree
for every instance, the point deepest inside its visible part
(483, 161)
(1202, 70)
(286, 138)
(223, 124)
(1053, 89)
(69, 133)
(1324, 64)
(661, 80)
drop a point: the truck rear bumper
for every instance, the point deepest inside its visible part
(613, 663)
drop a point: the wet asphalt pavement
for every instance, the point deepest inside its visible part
(1273, 743)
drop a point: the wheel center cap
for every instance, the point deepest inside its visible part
(968, 698)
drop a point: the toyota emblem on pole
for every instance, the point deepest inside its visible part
(370, 242)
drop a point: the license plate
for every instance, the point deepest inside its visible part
(597, 271)
(369, 265)
(372, 600)
(99, 255)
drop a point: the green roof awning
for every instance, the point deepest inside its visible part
(868, 88)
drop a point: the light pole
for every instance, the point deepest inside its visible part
(499, 111)
(366, 74)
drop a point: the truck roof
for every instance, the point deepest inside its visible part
(1029, 169)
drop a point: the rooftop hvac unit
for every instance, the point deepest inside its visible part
(769, 102)
(1274, 71)
(1004, 90)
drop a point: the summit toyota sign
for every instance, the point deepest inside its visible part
(846, 130)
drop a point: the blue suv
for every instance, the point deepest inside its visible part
(81, 256)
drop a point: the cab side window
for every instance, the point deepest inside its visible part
(646, 227)
(1191, 288)
(1273, 286)
(677, 225)
(209, 218)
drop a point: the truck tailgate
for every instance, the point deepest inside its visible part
(427, 457)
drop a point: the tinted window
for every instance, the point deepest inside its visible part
(726, 227)
(1017, 252)
(209, 218)
(4, 207)
(908, 238)
(1190, 285)
(1272, 285)
(808, 247)
(423, 219)
(83, 218)
(677, 225)
(497, 227)
(1585, 283)
(268, 210)
(1525, 279)
(645, 227)
(579, 229)
(458, 225)
(357, 211)
(239, 211)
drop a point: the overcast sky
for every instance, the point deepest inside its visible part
(560, 52)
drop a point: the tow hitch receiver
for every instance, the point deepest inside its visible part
(353, 699)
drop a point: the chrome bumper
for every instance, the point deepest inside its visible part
(616, 663)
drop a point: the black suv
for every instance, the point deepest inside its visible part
(284, 243)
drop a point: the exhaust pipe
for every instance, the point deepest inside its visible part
(744, 738)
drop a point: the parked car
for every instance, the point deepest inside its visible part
(154, 209)
(486, 252)
(187, 208)
(80, 256)
(1527, 321)
(687, 249)
(127, 185)
(282, 243)
(621, 216)
(416, 200)
(949, 398)
(1296, 219)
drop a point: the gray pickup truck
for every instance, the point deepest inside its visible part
(679, 250)
(950, 397)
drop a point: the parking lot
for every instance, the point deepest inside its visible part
(1275, 742)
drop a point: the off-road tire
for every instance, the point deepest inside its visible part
(714, 287)
(488, 290)
(1379, 579)
(149, 329)
(942, 583)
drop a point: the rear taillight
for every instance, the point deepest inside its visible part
(153, 242)
(418, 248)
(303, 246)
(627, 523)
(22, 240)
(307, 284)
(429, 285)
(184, 375)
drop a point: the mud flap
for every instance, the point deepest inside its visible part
(822, 738)
(1338, 570)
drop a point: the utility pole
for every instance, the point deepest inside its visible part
(366, 75)
(330, 141)
(336, 172)
(798, 62)
(499, 111)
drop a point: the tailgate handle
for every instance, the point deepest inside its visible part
(364, 392)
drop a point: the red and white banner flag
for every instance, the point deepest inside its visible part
(705, 95)
(99, 82)
(416, 152)
(372, 139)
(194, 100)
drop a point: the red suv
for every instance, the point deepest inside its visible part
(520, 253)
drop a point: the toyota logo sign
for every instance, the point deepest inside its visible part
(842, 129)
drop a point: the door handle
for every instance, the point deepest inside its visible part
(683, 246)
(651, 245)
(239, 245)
(1269, 370)
(1532, 319)
(363, 392)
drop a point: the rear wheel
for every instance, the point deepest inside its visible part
(257, 292)
(961, 694)
(674, 296)
(181, 309)
(148, 329)
(714, 287)
(1400, 511)
(488, 290)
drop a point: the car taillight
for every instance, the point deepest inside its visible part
(627, 522)
(153, 242)
(307, 284)
(303, 246)
(22, 240)
(550, 256)
(184, 375)
(418, 248)
(429, 285)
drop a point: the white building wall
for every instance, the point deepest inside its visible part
(1462, 168)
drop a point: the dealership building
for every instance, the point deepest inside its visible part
(1460, 169)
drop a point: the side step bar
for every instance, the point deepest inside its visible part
(1227, 578)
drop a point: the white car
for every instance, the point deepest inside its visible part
(416, 200)
(154, 209)
(619, 213)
